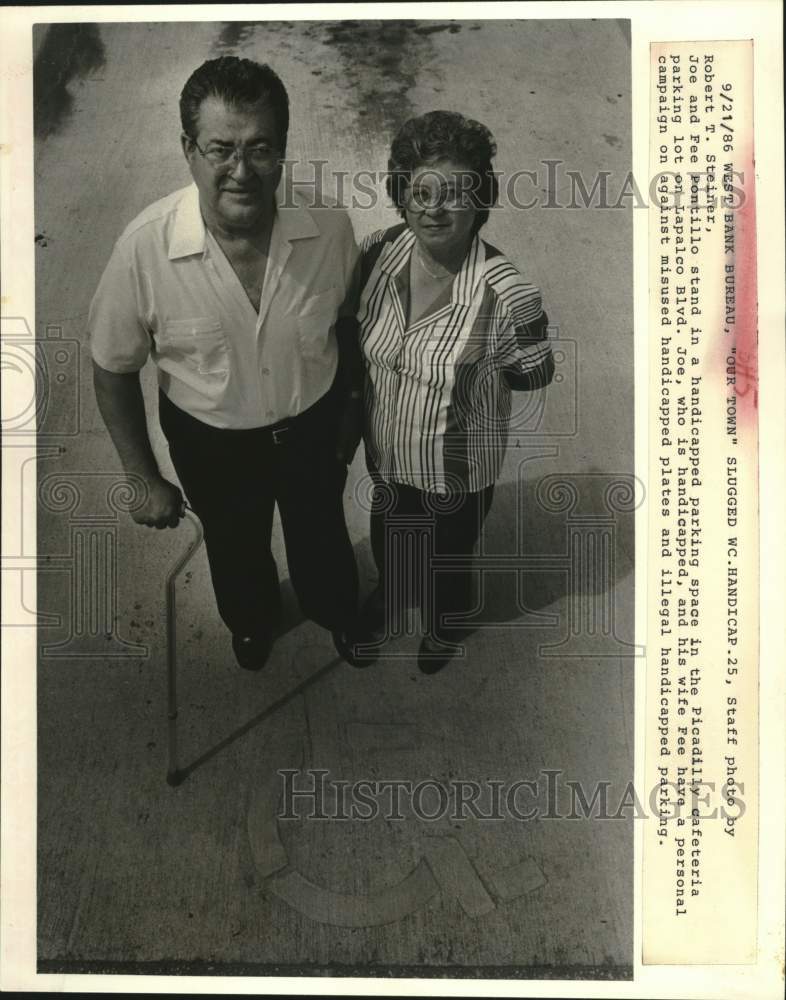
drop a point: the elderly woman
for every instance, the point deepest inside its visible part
(448, 327)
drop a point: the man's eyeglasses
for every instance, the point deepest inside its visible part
(261, 157)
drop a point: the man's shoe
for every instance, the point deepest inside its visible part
(252, 651)
(433, 655)
(346, 644)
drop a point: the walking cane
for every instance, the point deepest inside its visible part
(174, 775)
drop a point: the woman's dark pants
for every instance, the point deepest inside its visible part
(408, 528)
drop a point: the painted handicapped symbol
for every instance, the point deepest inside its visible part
(444, 869)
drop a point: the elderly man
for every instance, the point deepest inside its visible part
(234, 288)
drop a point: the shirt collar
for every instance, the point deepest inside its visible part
(292, 216)
(293, 221)
(400, 250)
(188, 229)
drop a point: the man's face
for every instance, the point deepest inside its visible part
(236, 196)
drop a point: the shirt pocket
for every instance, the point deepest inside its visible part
(199, 342)
(316, 316)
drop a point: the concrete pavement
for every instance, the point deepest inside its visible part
(133, 871)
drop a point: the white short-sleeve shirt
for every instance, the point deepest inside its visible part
(169, 293)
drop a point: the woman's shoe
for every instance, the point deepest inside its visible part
(433, 655)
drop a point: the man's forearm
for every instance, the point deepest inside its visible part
(122, 407)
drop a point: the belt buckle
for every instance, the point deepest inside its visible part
(278, 434)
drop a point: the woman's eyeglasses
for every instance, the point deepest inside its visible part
(448, 199)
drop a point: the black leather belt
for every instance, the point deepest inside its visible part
(278, 434)
(316, 416)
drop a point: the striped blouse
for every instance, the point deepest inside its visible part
(437, 392)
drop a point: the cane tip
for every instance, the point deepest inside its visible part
(175, 778)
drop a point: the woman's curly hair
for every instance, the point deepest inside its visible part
(444, 135)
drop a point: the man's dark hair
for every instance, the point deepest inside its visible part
(236, 82)
(444, 135)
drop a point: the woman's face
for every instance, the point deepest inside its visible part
(438, 206)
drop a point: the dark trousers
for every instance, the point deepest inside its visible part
(408, 527)
(233, 479)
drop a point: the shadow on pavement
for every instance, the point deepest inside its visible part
(534, 532)
(69, 52)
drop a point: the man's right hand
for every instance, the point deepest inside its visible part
(163, 507)
(119, 398)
